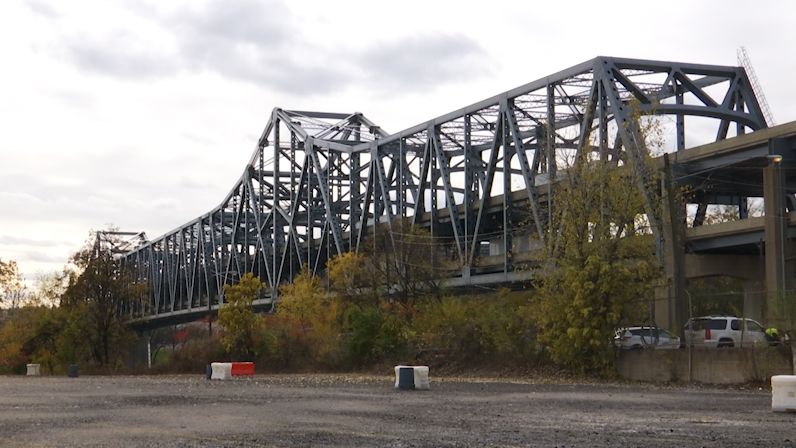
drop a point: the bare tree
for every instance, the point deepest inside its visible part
(12, 287)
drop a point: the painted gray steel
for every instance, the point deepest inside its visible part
(317, 182)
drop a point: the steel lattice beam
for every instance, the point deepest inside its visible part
(317, 181)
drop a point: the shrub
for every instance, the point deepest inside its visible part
(373, 335)
(485, 328)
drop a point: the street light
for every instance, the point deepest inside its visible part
(774, 159)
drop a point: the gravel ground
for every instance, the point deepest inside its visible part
(365, 411)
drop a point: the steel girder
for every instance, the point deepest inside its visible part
(477, 177)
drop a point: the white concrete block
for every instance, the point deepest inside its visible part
(420, 379)
(221, 370)
(783, 393)
(34, 369)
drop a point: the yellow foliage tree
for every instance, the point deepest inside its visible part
(315, 312)
(601, 266)
(237, 316)
(349, 277)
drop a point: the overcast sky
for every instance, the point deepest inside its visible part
(142, 115)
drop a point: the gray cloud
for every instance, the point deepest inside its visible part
(41, 257)
(191, 183)
(8, 240)
(253, 41)
(261, 43)
(423, 62)
(228, 24)
(42, 9)
(121, 54)
(102, 188)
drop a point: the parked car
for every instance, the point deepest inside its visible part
(724, 331)
(645, 337)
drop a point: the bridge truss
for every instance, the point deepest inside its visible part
(317, 182)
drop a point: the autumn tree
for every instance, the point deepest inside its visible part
(15, 332)
(600, 266)
(237, 316)
(350, 277)
(406, 263)
(98, 290)
(39, 331)
(314, 312)
(49, 288)
(12, 287)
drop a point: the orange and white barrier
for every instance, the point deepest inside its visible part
(242, 368)
(226, 370)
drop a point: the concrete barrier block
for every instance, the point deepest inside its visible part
(34, 369)
(412, 378)
(221, 370)
(783, 393)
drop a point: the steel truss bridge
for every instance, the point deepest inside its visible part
(479, 177)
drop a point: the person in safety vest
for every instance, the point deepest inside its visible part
(772, 334)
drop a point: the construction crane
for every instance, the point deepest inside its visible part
(745, 62)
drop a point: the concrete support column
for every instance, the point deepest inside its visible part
(675, 313)
(753, 299)
(662, 310)
(774, 202)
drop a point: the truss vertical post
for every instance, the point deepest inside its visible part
(275, 218)
(470, 192)
(680, 120)
(602, 120)
(353, 198)
(506, 187)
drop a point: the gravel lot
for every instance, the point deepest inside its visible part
(359, 411)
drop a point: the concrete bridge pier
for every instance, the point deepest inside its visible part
(777, 250)
(749, 268)
(754, 299)
(671, 309)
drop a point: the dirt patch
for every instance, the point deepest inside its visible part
(363, 411)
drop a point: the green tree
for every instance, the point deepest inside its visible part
(43, 345)
(600, 267)
(373, 335)
(237, 316)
